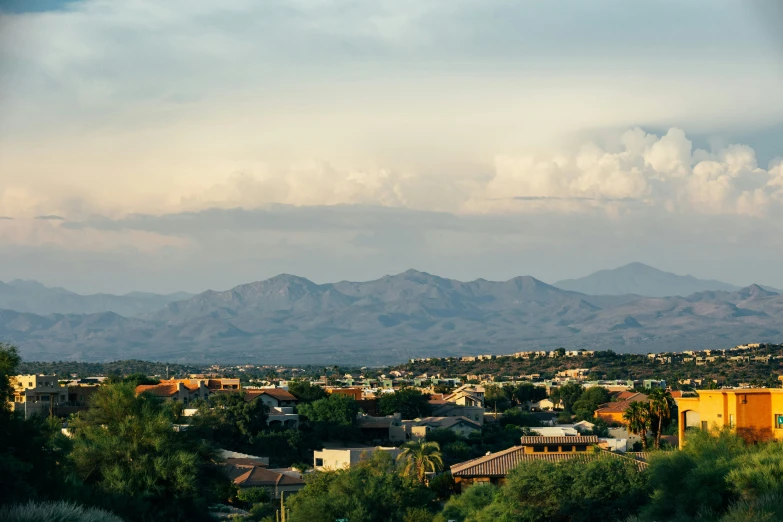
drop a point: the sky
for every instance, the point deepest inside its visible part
(187, 145)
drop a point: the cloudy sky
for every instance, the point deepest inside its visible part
(186, 145)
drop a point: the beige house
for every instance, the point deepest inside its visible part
(37, 394)
(341, 458)
(419, 428)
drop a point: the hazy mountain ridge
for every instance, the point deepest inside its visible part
(291, 319)
(641, 279)
(33, 297)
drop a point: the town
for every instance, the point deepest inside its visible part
(276, 428)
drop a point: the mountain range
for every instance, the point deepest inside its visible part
(289, 319)
(33, 297)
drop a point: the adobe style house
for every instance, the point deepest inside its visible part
(37, 394)
(756, 413)
(341, 458)
(444, 408)
(250, 473)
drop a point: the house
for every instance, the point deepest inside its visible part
(341, 458)
(381, 428)
(444, 408)
(272, 397)
(175, 391)
(543, 405)
(756, 414)
(250, 473)
(612, 412)
(556, 431)
(494, 468)
(37, 394)
(419, 428)
(466, 395)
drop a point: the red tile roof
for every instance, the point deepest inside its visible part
(160, 390)
(500, 463)
(278, 393)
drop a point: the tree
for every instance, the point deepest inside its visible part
(231, 421)
(31, 450)
(333, 417)
(9, 362)
(125, 450)
(661, 409)
(637, 416)
(372, 491)
(569, 393)
(409, 402)
(574, 490)
(469, 503)
(306, 391)
(495, 397)
(419, 457)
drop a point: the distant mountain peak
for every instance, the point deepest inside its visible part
(641, 279)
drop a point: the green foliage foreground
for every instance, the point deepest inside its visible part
(55, 512)
(371, 492)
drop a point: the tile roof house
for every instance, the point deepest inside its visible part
(494, 467)
(418, 428)
(249, 473)
(179, 391)
(612, 412)
(272, 397)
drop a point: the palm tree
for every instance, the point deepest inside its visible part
(420, 457)
(660, 406)
(638, 418)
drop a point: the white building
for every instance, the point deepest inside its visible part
(341, 458)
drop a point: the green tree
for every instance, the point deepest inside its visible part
(495, 397)
(369, 492)
(333, 417)
(306, 391)
(569, 393)
(590, 399)
(420, 457)
(409, 402)
(230, 420)
(637, 417)
(125, 449)
(465, 506)
(574, 490)
(32, 450)
(660, 409)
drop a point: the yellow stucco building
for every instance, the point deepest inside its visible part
(756, 414)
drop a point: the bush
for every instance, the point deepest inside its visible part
(55, 512)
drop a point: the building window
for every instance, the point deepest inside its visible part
(704, 425)
(552, 449)
(568, 448)
(581, 448)
(538, 449)
(731, 420)
(779, 421)
(319, 463)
